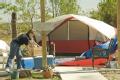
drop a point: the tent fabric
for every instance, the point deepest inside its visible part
(84, 63)
(100, 26)
(4, 48)
(75, 33)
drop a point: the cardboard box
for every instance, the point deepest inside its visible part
(34, 51)
(37, 51)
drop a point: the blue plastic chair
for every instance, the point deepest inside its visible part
(98, 52)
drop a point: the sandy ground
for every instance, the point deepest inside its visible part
(109, 75)
(112, 75)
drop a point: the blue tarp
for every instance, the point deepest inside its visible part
(88, 54)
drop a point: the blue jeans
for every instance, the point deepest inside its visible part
(14, 51)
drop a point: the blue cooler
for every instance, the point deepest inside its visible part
(27, 63)
(36, 62)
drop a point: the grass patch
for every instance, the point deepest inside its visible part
(38, 75)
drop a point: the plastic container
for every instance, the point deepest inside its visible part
(36, 62)
(113, 64)
(15, 75)
(27, 63)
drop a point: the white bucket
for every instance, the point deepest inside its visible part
(113, 64)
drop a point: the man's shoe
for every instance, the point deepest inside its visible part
(20, 69)
(7, 70)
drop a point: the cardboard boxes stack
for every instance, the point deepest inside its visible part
(34, 50)
(37, 51)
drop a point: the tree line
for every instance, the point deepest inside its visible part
(29, 10)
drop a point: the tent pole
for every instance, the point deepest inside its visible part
(68, 31)
(88, 37)
(49, 44)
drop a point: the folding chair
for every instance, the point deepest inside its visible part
(4, 56)
(102, 53)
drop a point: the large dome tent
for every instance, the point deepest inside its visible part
(75, 33)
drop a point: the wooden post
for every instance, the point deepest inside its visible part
(118, 32)
(44, 47)
(13, 25)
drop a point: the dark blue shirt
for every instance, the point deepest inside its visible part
(22, 39)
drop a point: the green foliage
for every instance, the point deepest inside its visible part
(39, 75)
(61, 7)
(68, 7)
(25, 9)
(28, 10)
(5, 30)
(107, 12)
(8, 7)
